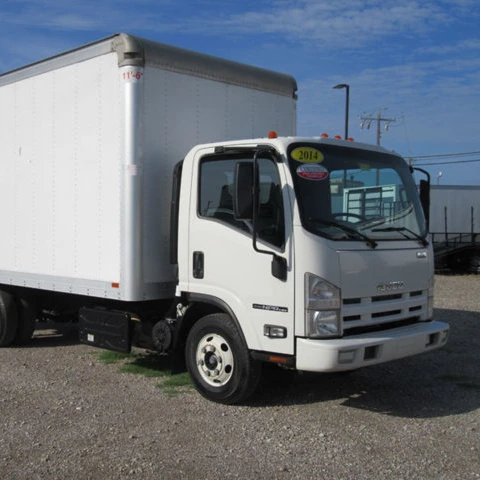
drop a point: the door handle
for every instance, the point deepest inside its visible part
(198, 265)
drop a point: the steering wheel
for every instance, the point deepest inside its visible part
(350, 214)
(228, 216)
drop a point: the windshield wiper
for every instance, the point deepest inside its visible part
(370, 242)
(402, 230)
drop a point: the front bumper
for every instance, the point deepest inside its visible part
(369, 349)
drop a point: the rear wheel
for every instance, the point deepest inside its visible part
(218, 360)
(26, 322)
(8, 319)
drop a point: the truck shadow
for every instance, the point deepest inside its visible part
(441, 383)
(53, 336)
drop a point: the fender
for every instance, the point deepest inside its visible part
(208, 304)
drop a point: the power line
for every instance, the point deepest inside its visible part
(416, 157)
(446, 163)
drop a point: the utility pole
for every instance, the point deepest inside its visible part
(367, 122)
(368, 119)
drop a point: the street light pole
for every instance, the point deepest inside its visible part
(347, 103)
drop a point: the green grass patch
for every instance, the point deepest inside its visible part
(109, 356)
(149, 365)
(174, 384)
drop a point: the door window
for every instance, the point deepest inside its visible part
(216, 197)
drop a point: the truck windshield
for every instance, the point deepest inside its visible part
(346, 193)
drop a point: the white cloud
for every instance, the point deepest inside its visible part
(439, 101)
(337, 24)
(328, 24)
(470, 45)
(418, 58)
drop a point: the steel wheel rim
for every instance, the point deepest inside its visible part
(214, 359)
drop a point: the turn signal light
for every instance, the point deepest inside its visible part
(274, 331)
(277, 359)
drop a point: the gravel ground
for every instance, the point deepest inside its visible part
(67, 415)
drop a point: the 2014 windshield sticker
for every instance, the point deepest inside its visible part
(312, 172)
(307, 155)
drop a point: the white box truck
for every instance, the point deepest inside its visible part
(143, 200)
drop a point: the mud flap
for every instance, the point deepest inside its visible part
(108, 329)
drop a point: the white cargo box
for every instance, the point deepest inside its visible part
(89, 140)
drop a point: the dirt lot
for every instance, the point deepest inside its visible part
(67, 415)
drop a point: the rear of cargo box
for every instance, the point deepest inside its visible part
(90, 140)
(60, 181)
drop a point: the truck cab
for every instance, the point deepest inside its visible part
(311, 253)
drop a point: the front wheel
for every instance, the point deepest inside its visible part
(218, 360)
(26, 322)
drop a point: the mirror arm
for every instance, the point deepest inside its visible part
(279, 264)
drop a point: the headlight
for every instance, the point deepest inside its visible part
(320, 294)
(322, 308)
(323, 323)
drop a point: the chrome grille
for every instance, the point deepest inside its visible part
(383, 311)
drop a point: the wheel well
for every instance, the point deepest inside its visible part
(194, 313)
(196, 310)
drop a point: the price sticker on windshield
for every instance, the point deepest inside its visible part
(312, 172)
(307, 155)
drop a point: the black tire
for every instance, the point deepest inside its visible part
(8, 319)
(26, 322)
(219, 362)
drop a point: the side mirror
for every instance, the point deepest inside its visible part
(245, 206)
(424, 193)
(243, 191)
(425, 200)
(279, 267)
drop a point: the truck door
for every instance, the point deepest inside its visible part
(224, 265)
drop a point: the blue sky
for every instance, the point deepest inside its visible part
(417, 62)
